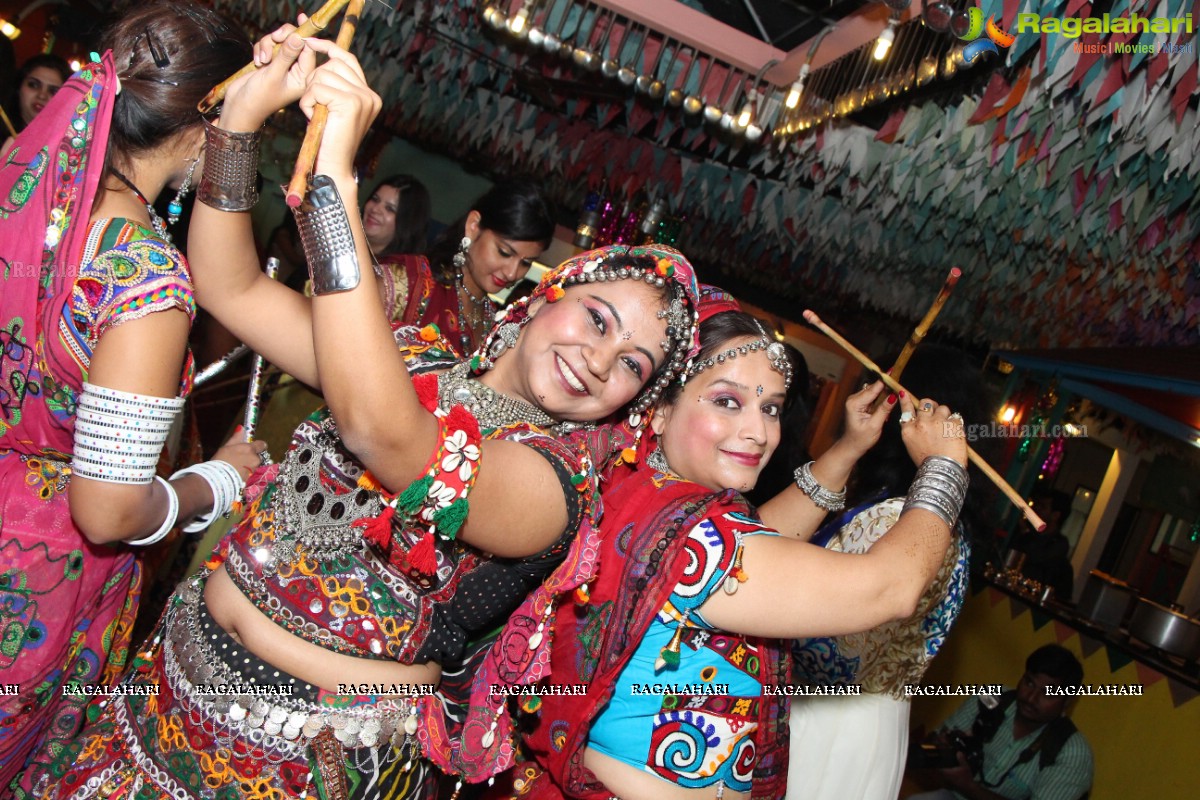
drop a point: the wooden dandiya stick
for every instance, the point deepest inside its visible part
(918, 334)
(316, 125)
(254, 393)
(895, 386)
(319, 20)
(7, 123)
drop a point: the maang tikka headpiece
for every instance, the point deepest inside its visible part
(775, 352)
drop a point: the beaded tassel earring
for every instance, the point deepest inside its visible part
(460, 258)
(175, 207)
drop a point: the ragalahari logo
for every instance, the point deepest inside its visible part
(994, 37)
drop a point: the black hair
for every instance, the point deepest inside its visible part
(717, 332)
(1055, 661)
(413, 209)
(168, 56)
(41, 60)
(516, 209)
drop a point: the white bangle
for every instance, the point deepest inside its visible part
(119, 435)
(167, 524)
(226, 485)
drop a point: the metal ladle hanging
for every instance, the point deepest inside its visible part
(693, 104)
(610, 64)
(651, 84)
(714, 111)
(553, 41)
(582, 54)
(627, 74)
(676, 95)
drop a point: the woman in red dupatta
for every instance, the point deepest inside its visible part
(690, 588)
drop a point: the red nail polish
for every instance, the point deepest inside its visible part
(902, 394)
(891, 399)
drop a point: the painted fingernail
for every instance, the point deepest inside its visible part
(891, 399)
(902, 394)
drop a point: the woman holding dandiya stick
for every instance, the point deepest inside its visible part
(357, 570)
(694, 591)
(95, 310)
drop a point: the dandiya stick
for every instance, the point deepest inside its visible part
(254, 393)
(895, 386)
(926, 322)
(220, 365)
(319, 20)
(316, 125)
(918, 334)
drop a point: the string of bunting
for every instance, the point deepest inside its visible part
(1066, 188)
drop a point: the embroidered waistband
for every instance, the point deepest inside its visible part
(234, 689)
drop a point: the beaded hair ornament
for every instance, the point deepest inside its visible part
(664, 267)
(775, 352)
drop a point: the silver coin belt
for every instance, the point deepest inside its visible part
(276, 723)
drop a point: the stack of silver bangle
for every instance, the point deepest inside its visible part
(940, 487)
(821, 497)
(230, 181)
(226, 484)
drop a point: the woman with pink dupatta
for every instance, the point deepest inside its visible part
(95, 311)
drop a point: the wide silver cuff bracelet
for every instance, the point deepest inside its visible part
(327, 238)
(230, 180)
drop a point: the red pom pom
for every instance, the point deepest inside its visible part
(427, 390)
(377, 530)
(554, 294)
(422, 557)
(460, 419)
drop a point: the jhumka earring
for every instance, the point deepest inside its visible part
(460, 258)
(175, 207)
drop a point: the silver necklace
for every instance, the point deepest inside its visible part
(492, 409)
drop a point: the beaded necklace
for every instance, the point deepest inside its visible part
(472, 326)
(156, 221)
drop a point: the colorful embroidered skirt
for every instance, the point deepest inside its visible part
(205, 718)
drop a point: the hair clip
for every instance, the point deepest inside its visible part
(161, 59)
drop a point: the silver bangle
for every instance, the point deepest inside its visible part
(940, 487)
(230, 180)
(327, 238)
(821, 497)
(167, 524)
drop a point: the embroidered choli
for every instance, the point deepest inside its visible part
(299, 559)
(696, 724)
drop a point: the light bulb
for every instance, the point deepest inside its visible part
(797, 91)
(516, 25)
(747, 114)
(9, 30)
(884, 43)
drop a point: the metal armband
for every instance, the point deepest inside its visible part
(230, 180)
(327, 238)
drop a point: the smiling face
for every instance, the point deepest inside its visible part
(586, 356)
(494, 261)
(723, 427)
(379, 217)
(36, 90)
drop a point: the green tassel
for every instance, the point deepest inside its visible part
(451, 518)
(414, 496)
(669, 657)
